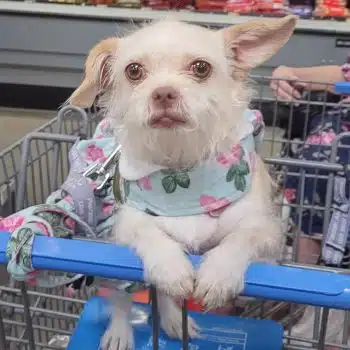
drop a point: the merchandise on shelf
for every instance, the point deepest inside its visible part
(331, 8)
(302, 8)
(271, 6)
(118, 3)
(168, 4)
(74, 2)
(210, 5)
(158, 4)
(276, 7)
(241, 6)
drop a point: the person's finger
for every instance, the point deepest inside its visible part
(283, 89)
(278, 86)
(290, 88)
(283, 96)
(300, 83)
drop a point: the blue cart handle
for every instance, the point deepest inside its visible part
(342, 88)
(293, 284)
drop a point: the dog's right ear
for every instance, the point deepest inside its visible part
(256, 41)
(97, 73)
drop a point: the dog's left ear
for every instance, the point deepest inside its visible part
(252, 43)
(97, 73)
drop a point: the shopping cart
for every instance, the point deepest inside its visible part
(37, 318)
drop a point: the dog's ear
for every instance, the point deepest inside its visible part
(97, 73)
(254, 42)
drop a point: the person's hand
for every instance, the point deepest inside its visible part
(285, 84)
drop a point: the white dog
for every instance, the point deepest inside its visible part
(177, 95)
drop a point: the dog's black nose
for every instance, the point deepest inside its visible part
(165, 96)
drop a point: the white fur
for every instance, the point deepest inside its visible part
(210, 106)
(246, 231)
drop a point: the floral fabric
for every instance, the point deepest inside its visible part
(204, 189)
(310, 192)
(77, 208)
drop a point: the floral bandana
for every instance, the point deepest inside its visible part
(77, 208)
(205, 189)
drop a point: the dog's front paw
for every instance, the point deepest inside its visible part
(173, 327)
(118, 337)
(172, 274)
(216, 284)
(171, 321)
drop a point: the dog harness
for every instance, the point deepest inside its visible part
(204, 189)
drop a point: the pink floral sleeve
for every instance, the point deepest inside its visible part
(346, 70)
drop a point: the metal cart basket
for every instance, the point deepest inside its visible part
(297, 289)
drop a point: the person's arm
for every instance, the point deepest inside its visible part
(324, 75)
(286, 82)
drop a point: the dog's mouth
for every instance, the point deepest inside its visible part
(167, 120)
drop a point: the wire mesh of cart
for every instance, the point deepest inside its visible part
(306, 295)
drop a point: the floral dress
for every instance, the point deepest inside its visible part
(307, 192)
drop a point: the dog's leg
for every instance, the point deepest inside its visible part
(119, 334)
(221, 275)
(165, 263)
(254, 233)
(171, 318)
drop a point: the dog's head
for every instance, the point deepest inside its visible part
(176, 91)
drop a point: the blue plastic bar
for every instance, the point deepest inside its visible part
(299, 285)
(342, 88)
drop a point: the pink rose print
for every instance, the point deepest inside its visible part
(32, 282)
(289, 194)
(107, 209)
(32, 278)
(313, 140)
(104, 124)
(94, 153)
(70, 223)
(42, 228)
(211, 204)
(11, 223)
(145, 184)
(325, 138)
(259, 116)
(70, 292)
(93, 185)
(328, 137)
(346, 127)
(228, 159)
(69, 199)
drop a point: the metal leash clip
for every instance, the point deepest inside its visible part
(97, 170)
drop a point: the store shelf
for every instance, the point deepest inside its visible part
(300, 285)
(46, 44)
(125, 14)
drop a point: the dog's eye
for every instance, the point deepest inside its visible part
(201, 69)
(134, 71)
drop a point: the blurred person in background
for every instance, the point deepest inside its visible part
(319, 130)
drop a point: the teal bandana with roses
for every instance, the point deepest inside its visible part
(207, 188)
